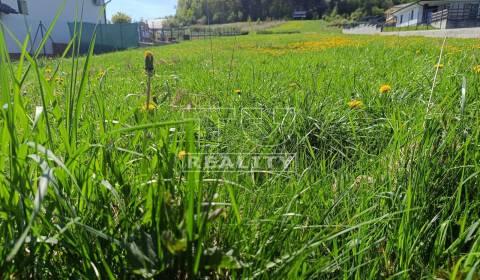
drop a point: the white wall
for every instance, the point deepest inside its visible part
(44, 11)
(11, 3)
(38, 9)
(407, 16)
(363, 29)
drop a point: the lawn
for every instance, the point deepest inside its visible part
(385, 132)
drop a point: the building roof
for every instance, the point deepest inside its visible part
(4, 8)
(300, 14)
(404, 7)
(397, 7)
(156, 23)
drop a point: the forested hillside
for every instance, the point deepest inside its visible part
(221, 11)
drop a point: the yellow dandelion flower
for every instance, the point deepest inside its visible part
(476, 69)
(48, 70)
(385, 88)
(149, 107)
(59, 80)
(238, 91)
(439, 66)
(182, 155)
(148, 54)
(355, 104)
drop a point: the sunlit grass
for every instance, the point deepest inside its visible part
(384, 187)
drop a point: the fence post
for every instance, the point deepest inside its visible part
(441, 19)
(139, 33)
(121, 35)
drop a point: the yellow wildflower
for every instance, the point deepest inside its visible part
(355, 104)
(238, 91)
(476, 69)
(48, 70)
(385, 88)
(101, 74)
(182, 155)
(59, 80)
(439, 66)
(149, 107)
(148, 54)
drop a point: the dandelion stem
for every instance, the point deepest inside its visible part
(149, 80)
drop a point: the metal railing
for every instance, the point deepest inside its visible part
(467, 16)
(439, 16)
(466, 13)
(171, 35)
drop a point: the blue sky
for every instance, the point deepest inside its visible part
(146, 9)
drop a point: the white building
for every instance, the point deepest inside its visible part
(408, 14)
(35, 16)
(437, 13)
(157, 23)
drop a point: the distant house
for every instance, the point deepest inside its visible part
(155, 30)
(440, 14)
(157, 23)
(34, 16)
(390, 14)
(299, 15)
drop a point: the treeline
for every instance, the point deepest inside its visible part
(223, 11)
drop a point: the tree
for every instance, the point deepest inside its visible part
(121, 18)
(221, 11)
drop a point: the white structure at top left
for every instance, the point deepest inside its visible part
(26, 16)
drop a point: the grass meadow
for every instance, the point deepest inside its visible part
(385, 184)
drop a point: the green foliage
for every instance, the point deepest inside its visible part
(197, 11)
(121, 18)
(357, 14)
